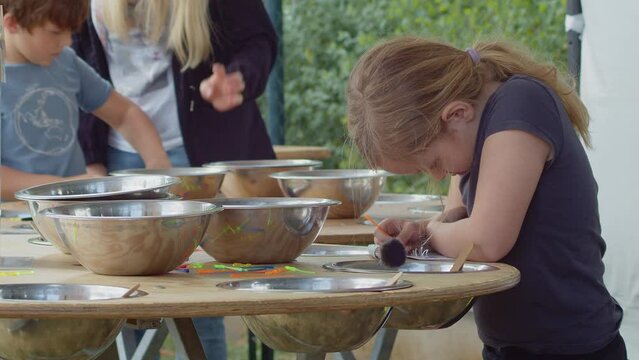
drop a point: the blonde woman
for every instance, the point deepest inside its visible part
(509, 131)
(195, 67)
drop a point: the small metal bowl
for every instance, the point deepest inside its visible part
(66, 338)
(422, 267)
(406, 206)
(131, 237)
(250, 178)
(335, 250)
(317, 332)
(197, 182)
(357, 189)
(45, 226)
(264, 230)
(316, 284)
(104, 188)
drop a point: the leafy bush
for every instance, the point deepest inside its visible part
(324, 38)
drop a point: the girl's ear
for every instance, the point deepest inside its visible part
(458, 110)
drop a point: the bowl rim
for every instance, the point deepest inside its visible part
(136, 294)
(329, 174)
(262, 164)
(27, 193)
(272, 202)
(400, 284)
(54, 212)
(408, 199)
(174, 171)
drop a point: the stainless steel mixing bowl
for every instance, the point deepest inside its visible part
(250, 178)
(65, 338)
(45, 225)
(131, 237)
(264, 230)
(102, 188)
(197, 182)
(317, 332)
(356, 189)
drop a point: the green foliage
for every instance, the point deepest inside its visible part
(324, 38)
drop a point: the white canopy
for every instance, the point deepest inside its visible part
(610, 89)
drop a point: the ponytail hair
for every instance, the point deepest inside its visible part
(398, 90)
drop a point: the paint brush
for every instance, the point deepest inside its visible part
(392, 252)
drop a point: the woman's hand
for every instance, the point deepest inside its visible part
(222, 90)
(410, 233)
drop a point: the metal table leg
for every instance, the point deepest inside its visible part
(187, 342)
(313, 356)
(384, 341)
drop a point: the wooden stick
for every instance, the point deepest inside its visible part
(130, 292)
(461, 257)
(392, 281)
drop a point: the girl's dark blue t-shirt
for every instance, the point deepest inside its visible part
(561, 304)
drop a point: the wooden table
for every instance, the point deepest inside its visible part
(346, 232)
(181, 296)
(301, 152)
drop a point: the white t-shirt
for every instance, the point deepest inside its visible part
(141, 71)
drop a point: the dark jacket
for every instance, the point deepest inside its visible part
(243, 39)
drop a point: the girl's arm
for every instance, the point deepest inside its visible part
(129, 120)
(511, 164)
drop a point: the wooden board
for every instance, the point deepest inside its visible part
(346, 232)
(178, 295)
(301, 152)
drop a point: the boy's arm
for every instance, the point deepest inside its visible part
(14, 180)
(129, 120)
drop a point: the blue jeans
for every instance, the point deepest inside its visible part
(122, 160)
(209, 329)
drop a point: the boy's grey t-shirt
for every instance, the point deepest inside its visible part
(561, 304)
(39, 111)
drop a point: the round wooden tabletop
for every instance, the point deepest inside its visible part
(179, 294)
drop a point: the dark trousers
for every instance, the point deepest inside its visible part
(615, 350)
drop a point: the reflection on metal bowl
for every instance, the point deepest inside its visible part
(131, 237)
(45, 225)
(197, 182)
(318, 332)
(356, 189)
(264, 230)
(250, 178)
(430, 315)
(74, 339)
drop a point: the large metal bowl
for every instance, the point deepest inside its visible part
(429, 315)
(317, 332)
(44, 225)
(197, 182)
(356, 189)
(406, 206)
(250, 178)
(103, 188)
(131, 237)
(264, 230)
(76, 339)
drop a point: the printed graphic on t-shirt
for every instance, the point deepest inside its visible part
(45, 113)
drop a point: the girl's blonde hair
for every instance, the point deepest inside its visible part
(398, 90)
(188, 20)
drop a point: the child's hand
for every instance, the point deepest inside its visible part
(410, 233)
(222, 90)
(161, 162)
(96, 170)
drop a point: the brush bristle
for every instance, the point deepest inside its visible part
(393, 253)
